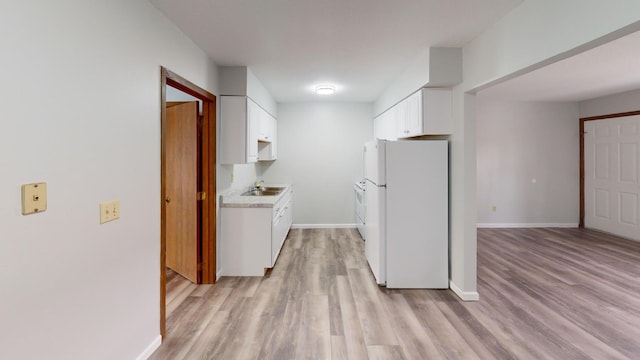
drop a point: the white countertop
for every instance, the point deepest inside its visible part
(232, 198)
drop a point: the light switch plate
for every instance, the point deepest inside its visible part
(109, 211)
(34, 198)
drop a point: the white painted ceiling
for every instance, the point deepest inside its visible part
(358, 45)
(608, 69)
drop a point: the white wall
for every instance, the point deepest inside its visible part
(528, 163)
(258, 93)
(534, 34)
(81, 111)
(320, 152)
(612, 104)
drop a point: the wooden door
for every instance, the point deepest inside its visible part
(612, 172)
(182, 235)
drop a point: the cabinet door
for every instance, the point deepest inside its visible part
(269, 150)
(274, 138)
(266, 126)
(269, 122)
(275, 243)
(263, 124)
(401, 112)
(377, 127)
(385, 126)
(253, 118)
(414, 115)
(437, 111)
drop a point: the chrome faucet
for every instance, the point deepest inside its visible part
(256, 186)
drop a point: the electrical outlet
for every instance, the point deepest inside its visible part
(109, 211)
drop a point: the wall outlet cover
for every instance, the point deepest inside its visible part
(34, 198)
(109, 211)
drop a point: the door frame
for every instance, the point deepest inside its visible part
(208, 164)
(582, 120)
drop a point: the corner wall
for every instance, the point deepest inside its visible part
(81, 111)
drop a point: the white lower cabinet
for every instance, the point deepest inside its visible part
(253, 236)
(280, 227)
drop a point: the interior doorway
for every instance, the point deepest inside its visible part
(610, 171)
(200, 154)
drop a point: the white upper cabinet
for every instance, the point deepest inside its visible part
(437, 111)
(253, 121)
(426, 112)
(384, 126)
(247, 132)
(414, 122)
(239, 123)
(268, 145)
(267, 127)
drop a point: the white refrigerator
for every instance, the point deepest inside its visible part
(407, 219)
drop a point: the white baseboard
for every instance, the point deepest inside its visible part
(150, 349)
(323, 226)
(527, 225)
(219, 274)
(464, 295)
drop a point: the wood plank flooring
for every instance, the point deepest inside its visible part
(544, 294)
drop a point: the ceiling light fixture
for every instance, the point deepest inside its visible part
(325, 89)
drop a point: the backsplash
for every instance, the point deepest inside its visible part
(243, 175)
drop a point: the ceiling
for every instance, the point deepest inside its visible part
(608, 69)
(358, 45)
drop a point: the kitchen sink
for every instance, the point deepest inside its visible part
(273, 188)
(265, 192)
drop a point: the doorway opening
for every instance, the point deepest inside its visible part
(609, 159)
(188, 157)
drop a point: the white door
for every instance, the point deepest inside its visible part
(612, 172)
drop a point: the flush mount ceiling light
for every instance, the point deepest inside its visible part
(325, 89)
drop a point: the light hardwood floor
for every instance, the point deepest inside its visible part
(544, 294)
